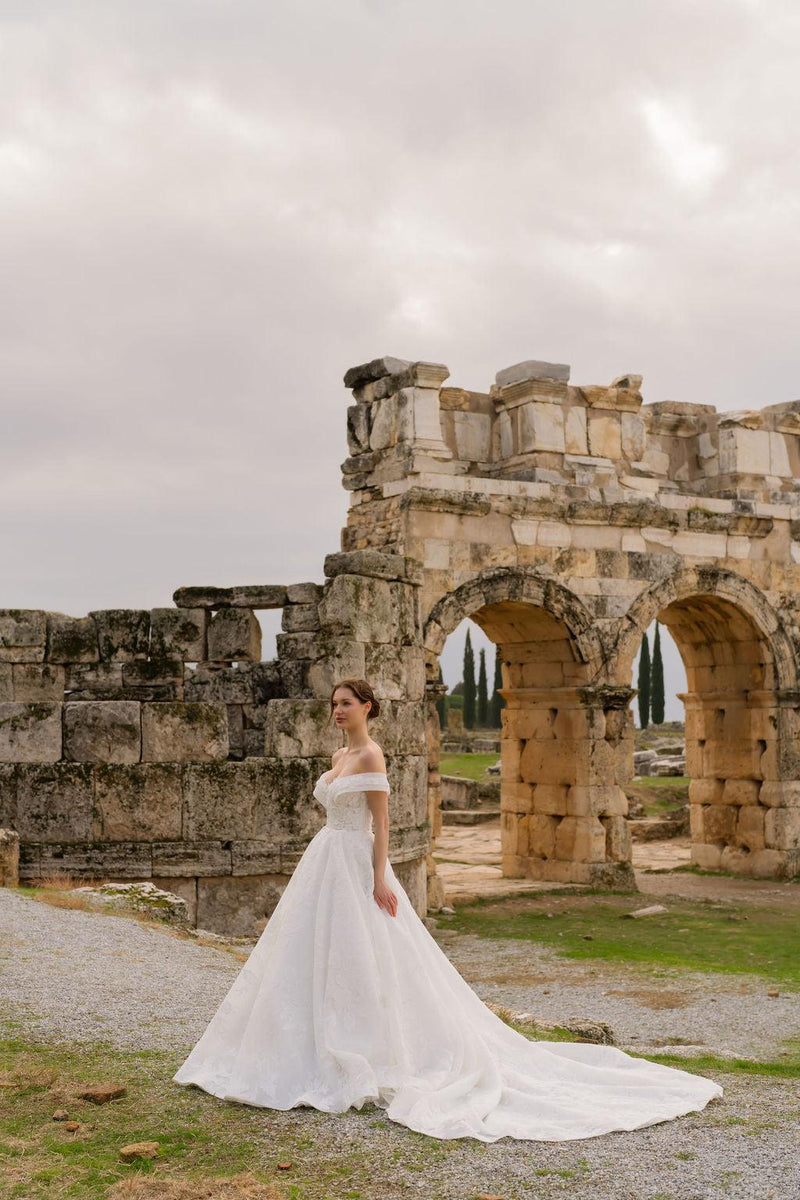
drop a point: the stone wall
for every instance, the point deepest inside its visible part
(155, 744)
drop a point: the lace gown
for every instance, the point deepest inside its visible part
(340, 1003)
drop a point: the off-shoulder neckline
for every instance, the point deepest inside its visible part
(352, 775)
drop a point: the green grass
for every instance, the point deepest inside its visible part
(469, 766)
(730, 938)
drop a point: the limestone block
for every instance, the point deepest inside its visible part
(237, 904)
(9, 858)
(54, 802)
(71, 639)
(581, 839)
(706, 855)
(7, 682)
(785, 794)
(605, 435)
(770, 864)
(706, 791)
(473, 436)
(718, 822)
(187, 859)
(700, 545)
(234, 635)
(504, 435)
(137, 802)
(749, 830)
(240, 683)
(123, 634)
(304, 593)
(744, 451)
(782, 828)
(518, 798)
(618, 838)
(358, 418)
(514, 833)
(384, 417)
(396, 673)
(549, 799)
(602, 799)
(103, 731)
(90, 681)
(541, 427)
(633, 436)
(576, 437)
(148, 673)
(437, 554)
(299, 728)
(532, 369)
(115, 860)
(30, 733)
(23, 635)
(411, 877)
(32, 682)
(344, 659)
(177, 731)
(178, 633)
(255, 857)
(741, 791)
(300, 618)
(738, 547)
(554, 533)
(247, 595)
(359, 606)
(542, 835)
(779, 456)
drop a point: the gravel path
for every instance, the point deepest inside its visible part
(72, 976)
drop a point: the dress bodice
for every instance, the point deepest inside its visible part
(345, 801)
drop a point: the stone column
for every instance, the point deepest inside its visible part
(565, 753)
(433, 692)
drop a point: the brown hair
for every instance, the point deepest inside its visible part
(364, 692)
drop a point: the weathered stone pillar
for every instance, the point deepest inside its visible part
(9, 858)
(565, 753)
(434, 691)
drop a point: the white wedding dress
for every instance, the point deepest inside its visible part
(340, 1003)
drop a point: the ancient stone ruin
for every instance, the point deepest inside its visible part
(563, 520)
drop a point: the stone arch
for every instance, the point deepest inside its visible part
(742, 714)
(563, 738)
(523, 585)
(713, 583)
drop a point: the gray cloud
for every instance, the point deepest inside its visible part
(209, 210)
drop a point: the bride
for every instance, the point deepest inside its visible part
(347, 998)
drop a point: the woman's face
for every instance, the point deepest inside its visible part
(348, 710)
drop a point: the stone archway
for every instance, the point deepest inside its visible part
(742, 716)
(566, 742)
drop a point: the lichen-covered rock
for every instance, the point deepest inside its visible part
(30, 733)
(184, 732)
(71, 639)
(234, 635)
(108, 731)
(142, 897)
(123, 634)
(23, 635)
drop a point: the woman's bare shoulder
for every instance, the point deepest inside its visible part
(372, 759)
(337, 754)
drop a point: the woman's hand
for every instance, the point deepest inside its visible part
(385, 898)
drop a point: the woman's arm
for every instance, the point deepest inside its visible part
(379, 807)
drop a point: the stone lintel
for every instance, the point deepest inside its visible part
(257, 595)
(532, 368)
(373, 563)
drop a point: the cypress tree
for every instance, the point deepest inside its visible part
(657, 681)
(441, 703)
(469, 684)
(643, 684)
(483, 693)
(496, 702)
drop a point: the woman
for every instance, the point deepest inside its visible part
(346, 998)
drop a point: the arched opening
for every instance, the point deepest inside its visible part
(566, 742)
(741, 720)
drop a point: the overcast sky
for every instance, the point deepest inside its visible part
(210, 209)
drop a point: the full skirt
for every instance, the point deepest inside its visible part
(340, 1003)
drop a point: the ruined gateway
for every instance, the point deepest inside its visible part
(563, 520)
